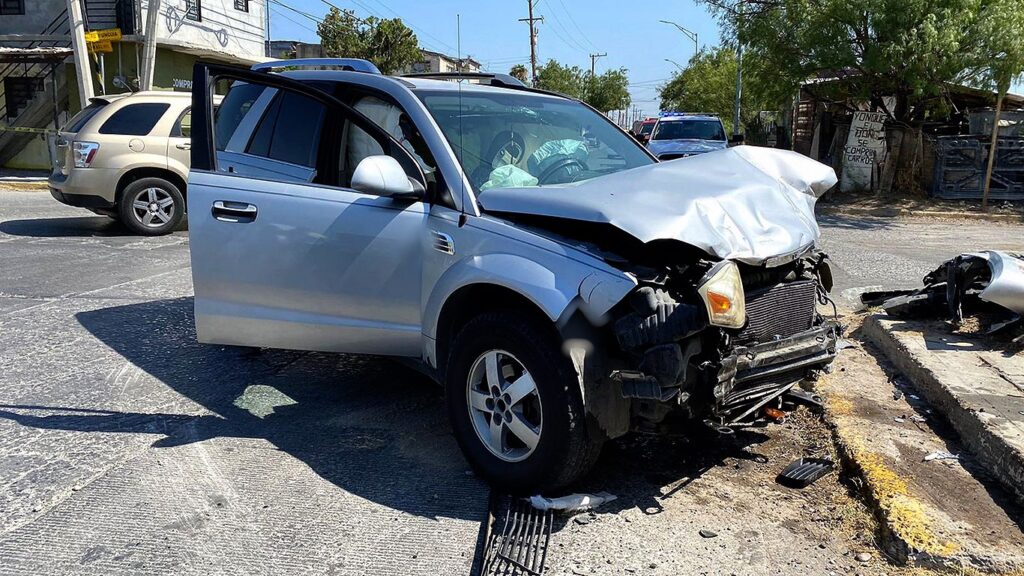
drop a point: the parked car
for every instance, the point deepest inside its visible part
(126, 156)
(643, 132)
(681, 135)
(562, 294)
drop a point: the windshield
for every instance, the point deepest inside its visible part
(689, 130)
(511, 140)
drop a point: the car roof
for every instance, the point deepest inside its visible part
(686, 117)
(412, 83)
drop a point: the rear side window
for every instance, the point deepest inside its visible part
(134, 119)
(183, 127)
(290, 130)
(83, 116)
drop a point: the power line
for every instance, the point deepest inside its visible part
(290, 19)
(558, 22)
(573, 21)
(297, 11)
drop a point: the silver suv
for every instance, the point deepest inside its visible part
(562, 285)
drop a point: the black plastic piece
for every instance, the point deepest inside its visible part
(804, 472)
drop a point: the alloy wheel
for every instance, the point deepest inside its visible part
(504, 405)
(153, 207)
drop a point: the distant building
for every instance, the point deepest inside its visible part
(438, 62)
(284, 49)
(35, 74)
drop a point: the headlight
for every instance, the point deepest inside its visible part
(83, 153)
(722, 292)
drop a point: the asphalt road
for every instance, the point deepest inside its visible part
(127, 448)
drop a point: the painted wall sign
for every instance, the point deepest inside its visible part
(865, 150)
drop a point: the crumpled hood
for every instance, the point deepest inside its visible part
(686, 146)
(751, 204)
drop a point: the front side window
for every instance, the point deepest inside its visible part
(689, 130)
(290, 130)
(134, 119)
(520, 139)
(232, 110)
(12, 7)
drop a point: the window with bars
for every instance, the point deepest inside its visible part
(242, 5)
(12, 7)
(194, 10)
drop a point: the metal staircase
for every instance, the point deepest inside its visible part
(31, 87)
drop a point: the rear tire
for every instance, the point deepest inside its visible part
(505, 348)
(151, 207)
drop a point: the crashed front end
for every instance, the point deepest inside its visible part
(721, 341)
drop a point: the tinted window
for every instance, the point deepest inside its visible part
(290, 130)
(234, 107)
(79, 120)
(689, 130)
(183, 127)
(134, 119)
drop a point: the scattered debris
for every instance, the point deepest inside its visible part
(705, 533)
(899, 419)
(917, 418)
(897, 394)
(941, 456)
(804, 472)
(975, 282)
(572, 502)
(863, 557)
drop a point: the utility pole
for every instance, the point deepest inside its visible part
(533, 41)
(739, 75)
(593, 60)
(688, 33)
(80, 51)
(149, 46)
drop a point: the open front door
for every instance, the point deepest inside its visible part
(285, 254)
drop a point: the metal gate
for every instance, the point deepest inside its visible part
(960, 163)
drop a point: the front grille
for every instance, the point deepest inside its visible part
(779, 311)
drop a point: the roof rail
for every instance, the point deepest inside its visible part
(505, 80)
(664, 114)
(352, 64)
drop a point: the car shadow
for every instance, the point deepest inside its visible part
(832, 220)
(372, 427)
(73, 227)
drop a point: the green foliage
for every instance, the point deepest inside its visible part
(388, 43)
(1001, 28)
(519, 71)
(608, 91)
(908, 49)
(707, 84)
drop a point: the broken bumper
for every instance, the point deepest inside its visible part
(750, 377)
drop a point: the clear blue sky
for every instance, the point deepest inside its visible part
(572, 29)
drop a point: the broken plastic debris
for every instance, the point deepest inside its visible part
(572, 502)
(917, 418)
(803, 472)
(941, 456)
(900, 419)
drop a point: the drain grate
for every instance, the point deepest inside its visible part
(522, 545)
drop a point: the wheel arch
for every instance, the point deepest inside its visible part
(140, 172)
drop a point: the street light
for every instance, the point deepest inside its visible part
(686, 32)
(674, 63)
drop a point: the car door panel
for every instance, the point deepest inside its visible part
(302, 266)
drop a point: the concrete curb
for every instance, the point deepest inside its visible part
(908, 213)
(980, 430)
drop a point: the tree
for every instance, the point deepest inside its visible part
(562, 79)
(1001, 26)
(911, 49)
(388, 43)
(608, 91)
(708, 84)
(519, 71)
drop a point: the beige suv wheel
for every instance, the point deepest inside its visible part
(151, 206)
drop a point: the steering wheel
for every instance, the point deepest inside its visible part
(564, 163)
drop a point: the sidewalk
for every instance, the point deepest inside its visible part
(937, 512)
(978, 387)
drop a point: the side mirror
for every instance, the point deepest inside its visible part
(384, 176)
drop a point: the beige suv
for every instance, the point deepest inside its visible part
(127, 156)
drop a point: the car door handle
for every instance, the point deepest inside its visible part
(234, 212)
(183, 146)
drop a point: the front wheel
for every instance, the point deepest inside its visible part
(515, 405)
